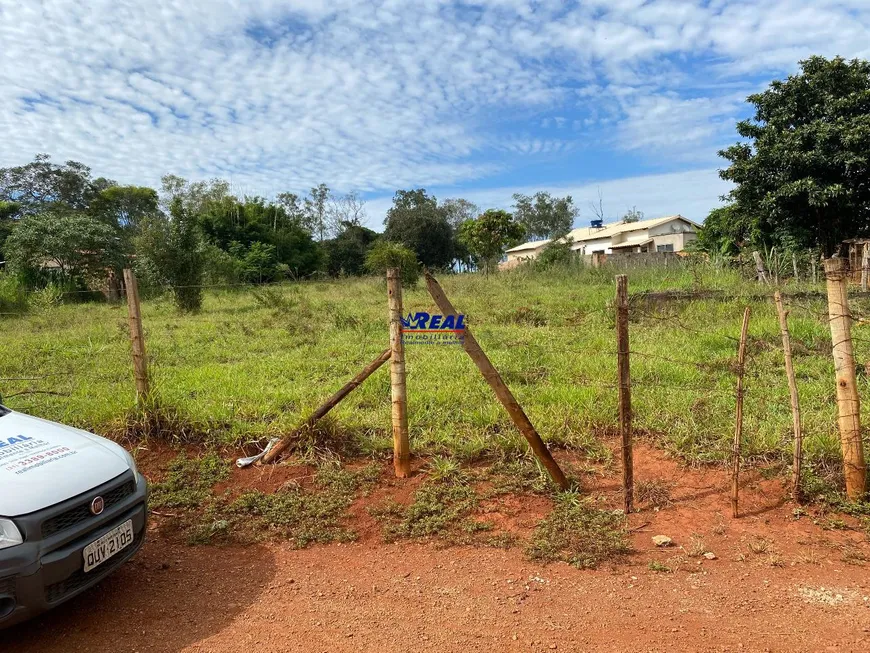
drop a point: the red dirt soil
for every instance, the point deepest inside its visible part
(778, 583)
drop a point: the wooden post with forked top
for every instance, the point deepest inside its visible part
(137, 338)
(624, 378)
(505, 396)
(848, 402)
(793, 396)
(398, 387)
(738, 422)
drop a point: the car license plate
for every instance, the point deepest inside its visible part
(117, 539)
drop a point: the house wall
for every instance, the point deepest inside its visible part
(525, 255)
(599, 244)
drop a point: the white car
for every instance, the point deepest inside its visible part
(72, 510)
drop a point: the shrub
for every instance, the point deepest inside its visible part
(13, 299)
(386, 255)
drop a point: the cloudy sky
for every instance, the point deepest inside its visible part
(467, 99)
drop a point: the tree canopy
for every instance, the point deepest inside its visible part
(416, 221)
(802, 171)
(544, 216)
(488, 236)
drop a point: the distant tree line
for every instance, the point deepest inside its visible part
(59, 225)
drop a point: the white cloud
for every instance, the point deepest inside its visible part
(375, 95)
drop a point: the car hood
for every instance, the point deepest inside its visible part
(43, 463)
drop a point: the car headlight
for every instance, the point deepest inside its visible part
(9, 534)
(132, 464)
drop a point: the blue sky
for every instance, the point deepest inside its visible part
(478, 99)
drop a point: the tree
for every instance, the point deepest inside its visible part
(632, 215)
(489, 236)
(315, 211)
(124, 207)
(544, 216)
(77, 245)
(385, 255)
(458, 210)
(724, 231)
(416, 221)
(195, 196)
(802, 171)
(292, 206)
(346, 253)
(8, 211)
(349, 209)
(40, 183)
(172, 252)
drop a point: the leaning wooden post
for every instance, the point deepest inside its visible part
(793, 396)
(505, 396)
(624, 378)
(760, 272)
(326, 406)
(848, 403)
(865, 265)
(738, 423)
(137, 338)
(398, 388)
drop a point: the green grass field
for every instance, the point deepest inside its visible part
(252, 364)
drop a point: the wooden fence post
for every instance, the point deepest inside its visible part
(505, 396)
(738, 423)
(794, 266)
(793, 396)
(137, 338)
(813, 267)
(624, 379)
(760, 272)
(865, 265)
(848, 403)
(398, 388)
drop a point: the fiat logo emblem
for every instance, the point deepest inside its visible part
(97, 505)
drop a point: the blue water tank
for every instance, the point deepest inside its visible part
(597, 224)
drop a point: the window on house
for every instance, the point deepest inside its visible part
(665, 248)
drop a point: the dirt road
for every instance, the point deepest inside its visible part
(388, 598)
(781, 580)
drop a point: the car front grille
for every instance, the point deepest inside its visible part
(57, 591)
(82, 512)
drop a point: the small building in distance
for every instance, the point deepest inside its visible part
(668, 234)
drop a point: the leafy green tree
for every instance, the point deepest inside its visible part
(416, 221)
(385, 254)
(458, 210)
(544, 216)
(171, 251)
(802, 170)
(489, 236)
(195, 196)
(724, 231)
(316, 205)
(8, 212)
(124, 207)
(346, 253)
(73, 243)
(40, 183)
(632, 215)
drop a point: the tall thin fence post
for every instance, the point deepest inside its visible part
(865, 266)
(398, 387)
(848, 403)
(794, 266)
(793, 396)
(624, 378)
(813, 268)
(738, 422)
(137, 338)
(760, 271)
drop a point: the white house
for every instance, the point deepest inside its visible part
(668, 234)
